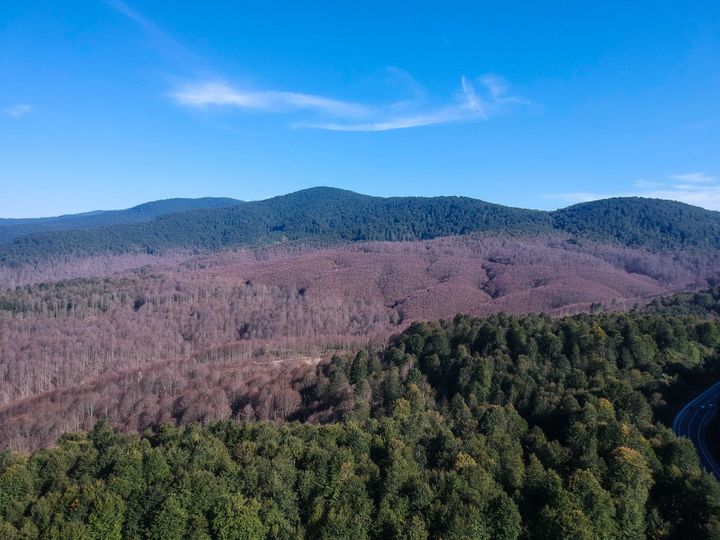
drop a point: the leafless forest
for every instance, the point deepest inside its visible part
(181, 337)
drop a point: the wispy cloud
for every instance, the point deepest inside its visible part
(19, 110)
(209, 94)
(697, 177)
(466, 106)
(475, 100)
(159, 40)
(699, 189)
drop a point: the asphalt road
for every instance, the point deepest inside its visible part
(692, 422)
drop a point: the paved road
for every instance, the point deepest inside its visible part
(692, 422)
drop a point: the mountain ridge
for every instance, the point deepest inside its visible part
(331, 214)
(11, 228)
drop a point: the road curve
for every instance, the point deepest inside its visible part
(692, 422)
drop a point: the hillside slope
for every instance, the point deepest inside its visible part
(14, 228)
(317, 213)
(64, 333)
(704, 303)
(503, 428)
(328, 214)
(640, 222)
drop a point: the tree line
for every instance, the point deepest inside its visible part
(332, 214)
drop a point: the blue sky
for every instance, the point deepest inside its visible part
(106, 104)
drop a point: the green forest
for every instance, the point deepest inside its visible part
(328, 214)
(498, 428)
(15, 228)
(699, 304)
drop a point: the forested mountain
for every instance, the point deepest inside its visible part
(327, 214)
(318, 214)
(14, 228)
(636, 222)
(502, 428)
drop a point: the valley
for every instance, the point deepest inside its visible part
(315, 329)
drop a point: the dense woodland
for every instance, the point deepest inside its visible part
(333, 214)
(636, 221)
(504, 427)
(319, 214)
(15, 228)
(704, 303)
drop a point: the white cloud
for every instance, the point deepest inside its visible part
(699, 189)
(469, 98)
(402, 81)
(708, 197)
(158, 39)
(475, 100)
(698, 177)
(439, 117)
(210, 94)
(334, 114)
(469, 105)
(19, 110)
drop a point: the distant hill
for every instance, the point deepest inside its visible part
(316, 213)
(14, 228)
(640, 222)
(330, 214)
